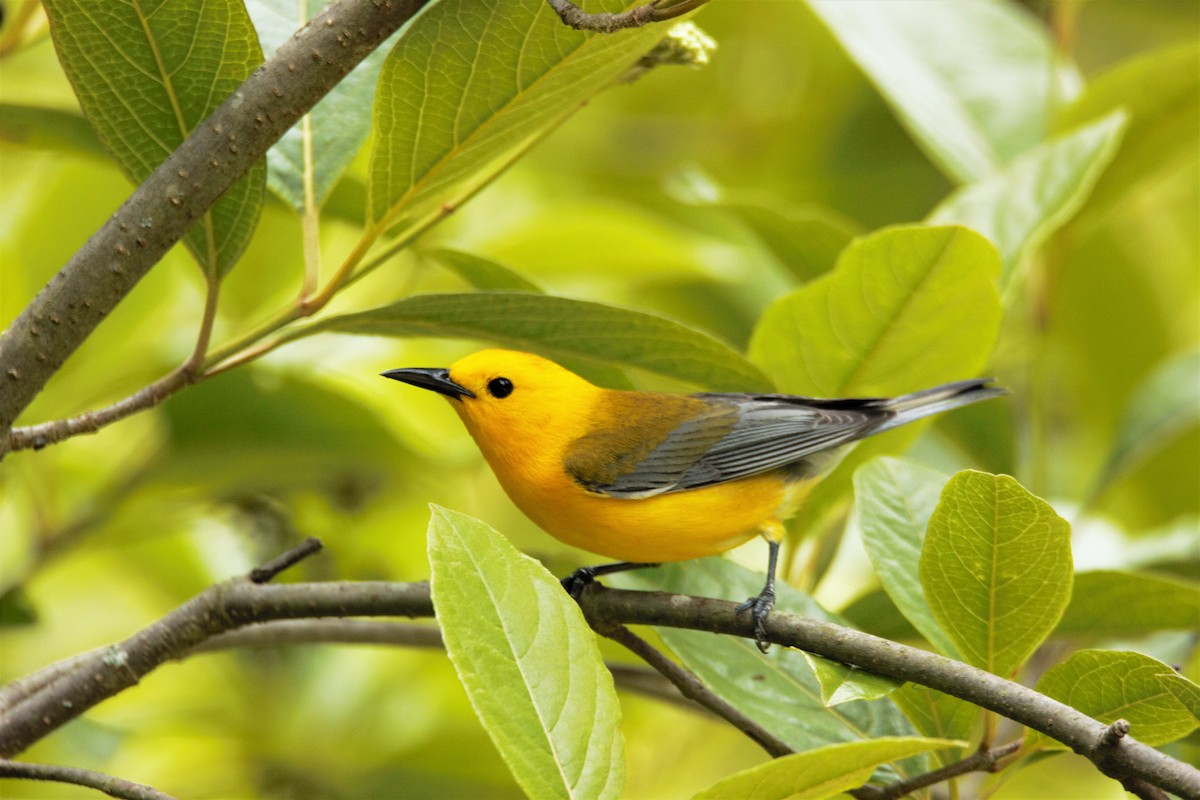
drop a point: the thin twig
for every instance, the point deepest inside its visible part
(983, 760)
(46, 433)
(269, 570)
(110, 785)
(640, 16)
(691, 687)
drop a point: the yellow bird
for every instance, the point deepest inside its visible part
(648, 477)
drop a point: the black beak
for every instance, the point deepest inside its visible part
(436, 380)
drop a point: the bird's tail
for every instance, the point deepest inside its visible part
(910, 407)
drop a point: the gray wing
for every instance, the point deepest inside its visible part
(770, 432)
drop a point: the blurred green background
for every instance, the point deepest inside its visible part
(103, 534)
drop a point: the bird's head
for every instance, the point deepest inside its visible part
(509, 397)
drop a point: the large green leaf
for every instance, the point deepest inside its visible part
(1106, 603)
(996, 569)
(1163, 406)
(558, 326)
(320, 147)
(893, 501)
(906, 308)
(1018, 207)
(1111, 685)
(820, 773)
(778, 690)
(472, 84)
(528, 660)
(1161, 93)
(975, 83)
(146, 73)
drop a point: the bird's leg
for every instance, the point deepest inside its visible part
(581, 577)
(761, 604)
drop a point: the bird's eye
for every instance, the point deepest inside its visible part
(500, 388)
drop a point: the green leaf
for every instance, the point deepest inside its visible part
(996, 569)
(1114, 604)
(777, 690)
(335, 129)
(894, 500)
(558, 326)
(975, 83)
(841, 683)
(1111, 685)
(820, 773)
(805, 239)
(1019, 207)
(934, 713)
(528, 660)
(1161, 93)
(146, 73)
(472, 84)
(904, 309)
(1163, 406)
(482, 273)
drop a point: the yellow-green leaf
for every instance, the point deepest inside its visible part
(528, 660)
(471, 84)
(824, 772)
(1018, 207)
(996, 569)
(1111, 685)
(975, 83)
(894, 500)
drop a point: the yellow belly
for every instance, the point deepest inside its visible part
(668, 527)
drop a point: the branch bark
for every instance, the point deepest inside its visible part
(33, 707)
(110, 785)
(162, 209)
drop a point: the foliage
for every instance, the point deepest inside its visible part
(862, 203)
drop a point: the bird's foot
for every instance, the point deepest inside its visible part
(580, 578)
(577, 581)
(759, 607)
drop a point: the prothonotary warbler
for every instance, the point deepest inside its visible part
(647, 477)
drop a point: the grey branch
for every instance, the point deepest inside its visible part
(979, 761)
(146, 226)
(655, 11)
(111, 786)
(35, 706)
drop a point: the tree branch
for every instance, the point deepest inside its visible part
(110, 785)
(655, 11)
(980, 761)
(1126, 760)
(146, 226)
(39, 704)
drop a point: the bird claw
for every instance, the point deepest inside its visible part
(759, 607)
(577, 581)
